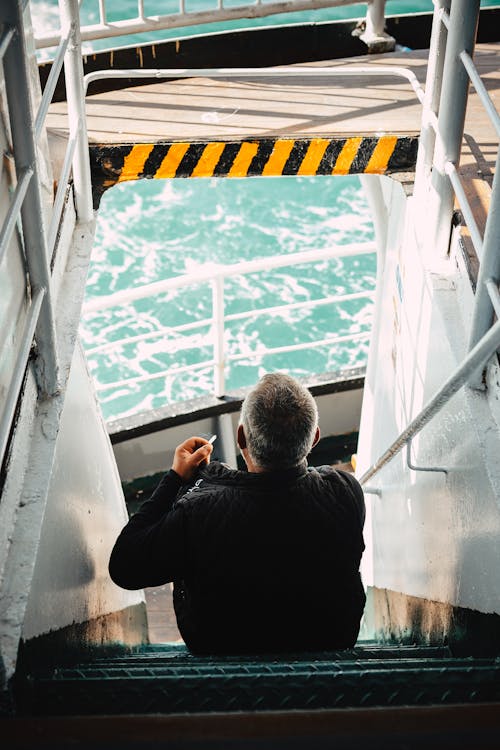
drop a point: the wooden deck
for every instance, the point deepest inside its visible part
(211, 109)
(204, 127)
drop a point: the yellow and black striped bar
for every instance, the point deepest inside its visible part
(385, 154)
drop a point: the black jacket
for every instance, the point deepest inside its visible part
(260, 561)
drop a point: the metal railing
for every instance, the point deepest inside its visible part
(26, 205)
(277, 71)
(221, 11)
(215, 275)
(450, 71)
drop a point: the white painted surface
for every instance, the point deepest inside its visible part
(435, 536)
(84, 514)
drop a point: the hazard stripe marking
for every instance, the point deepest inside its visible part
(295, 158)
(112, 163)
(227, 158)
(363, 155)
(208, 160)
(278, 158)
(173, 157)
(313, 157)
(381, 154)
(134, 162)
(261, 158)
(404, 156)
(330, 156)
(347, 156)
(243, 159)
(154, 160)
(190, 160)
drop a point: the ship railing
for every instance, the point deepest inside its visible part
(223, 10)
(215, 275)
(450, 71)
(25, 215)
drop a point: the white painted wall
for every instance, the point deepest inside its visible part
(434, 536)
(84, 514)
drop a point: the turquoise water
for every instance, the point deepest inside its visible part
(159, 229)
(156, 229)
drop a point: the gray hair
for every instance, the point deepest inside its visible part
(279, 417)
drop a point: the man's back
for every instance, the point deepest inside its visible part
(271, 560)
(262, 560)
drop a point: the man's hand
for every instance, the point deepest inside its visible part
(189, 455)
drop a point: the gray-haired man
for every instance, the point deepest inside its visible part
(262, 560)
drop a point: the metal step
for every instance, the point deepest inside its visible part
(169, 680)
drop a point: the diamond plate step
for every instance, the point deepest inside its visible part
(169, 680)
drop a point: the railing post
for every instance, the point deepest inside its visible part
(34, 236)
(464, 18)
(374, 35)
(433, 83)
(218, 334)
(489, 268)
(73, 72)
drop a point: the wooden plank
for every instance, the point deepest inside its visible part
(215, 109)
(206, 109)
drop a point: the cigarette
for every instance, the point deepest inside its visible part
(212, 439)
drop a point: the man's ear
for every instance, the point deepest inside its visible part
(241, 437)
(316, 437)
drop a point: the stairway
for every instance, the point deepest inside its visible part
(372, 697)
(168, 680)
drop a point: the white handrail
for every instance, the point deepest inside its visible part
(276, 310)
(397, 71)
(215, 274)
(147, 23)
(255, 354)
(207, 271)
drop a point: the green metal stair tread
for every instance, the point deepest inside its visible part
(179, 653)
(307, 689)
(161, 669)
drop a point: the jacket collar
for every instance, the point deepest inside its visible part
(218, 472)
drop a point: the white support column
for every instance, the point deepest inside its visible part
(433, 84)
(73, 70)
(489, 273)
(218, 334)
(464, 18)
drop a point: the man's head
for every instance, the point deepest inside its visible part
(278, 423)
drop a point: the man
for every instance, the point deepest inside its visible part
(262, 560)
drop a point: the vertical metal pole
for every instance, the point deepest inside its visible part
(375, 17)
(489, 269)
(464, 18)
(22, 128)
(433, 85)
(73, 72)
(218, 334)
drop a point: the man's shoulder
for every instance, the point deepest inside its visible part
(346, 483)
